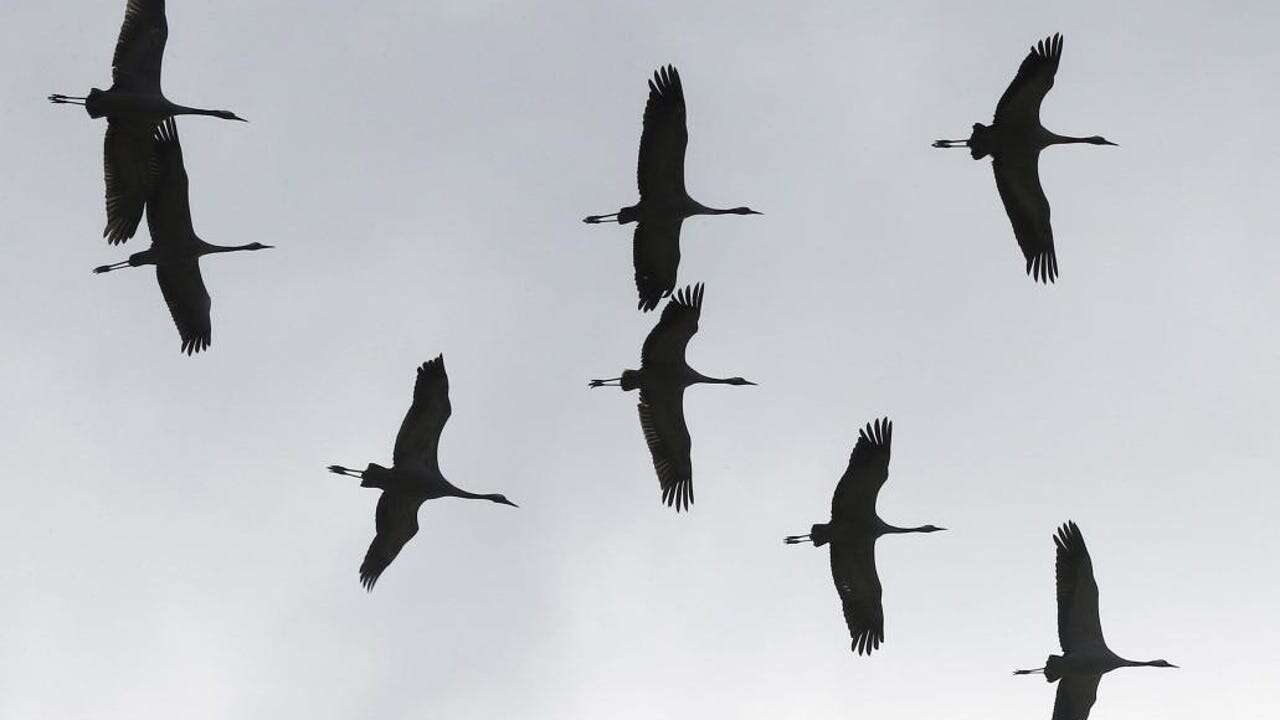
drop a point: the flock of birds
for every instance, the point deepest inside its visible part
(144, 172)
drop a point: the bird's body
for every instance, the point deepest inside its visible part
(175, 248)
(414, 476)
(663, 376)
(664, 203)
(852, 534)
(133, 106)
(1014, 141)
(1085, 656)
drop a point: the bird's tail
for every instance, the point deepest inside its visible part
(1053, 668)
(630, 379)
(819, 535)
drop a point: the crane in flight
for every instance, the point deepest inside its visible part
(1014, 141)
(1085, 656)
(664, 203)
(175, 248)
(133, 106)
(852, 534)
(662, 378)
(414, 476)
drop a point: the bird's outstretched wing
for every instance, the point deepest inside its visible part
(668, 339)
(130, 170)
(655, 252)
(662, 420)
(419, 438)
(135, 67)
(1078, 622)
(853, 568)
(397, 523)
(1018, 180)
(188, 301)
(856, 493)
(169, 204)
(660, 171)
(1020, 104)
(1076, 694)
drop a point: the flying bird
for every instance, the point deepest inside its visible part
(175, 248)
(414, 476)
(662, 378)
(1085, 656)
(1014, 141)
(852, 533)
(133, 105)
(664, 203)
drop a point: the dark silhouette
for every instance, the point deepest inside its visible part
(664, 204)
(414, 476)
(662, 378)
(1085, 657)
(1014, 141)
(175, 248)
(852, 534)
(133, 105)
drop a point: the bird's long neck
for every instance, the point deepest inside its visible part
(887, 529)
(697, 377)
(1052, 138)
(210, 248)
(175, 109)
(1139, 663)
(460, 493)
(697, 208)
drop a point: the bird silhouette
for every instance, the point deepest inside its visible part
(175, 248)
(662, 378)
(133, 105)
(664, 203)
(852, 533)
(1085, 656)
(1014, 141)
(414, 476)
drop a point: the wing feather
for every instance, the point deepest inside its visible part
(667, 341)
(1075, 698)
(135, 66)
(1020, 104)
(656, 256)
(1018, 180)
(397, 522)
(1078, 622)
(665, 432)
(188, 301)
(130, 170)
(853, 568)
(418, 440)
(855, 495)
(660, 171)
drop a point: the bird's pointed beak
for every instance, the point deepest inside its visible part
(755, 212)
(1108, 142)
(268, 247)
(511, 504)
(750, 383)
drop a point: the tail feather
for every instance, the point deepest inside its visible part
(1053, 668)
(630, 379)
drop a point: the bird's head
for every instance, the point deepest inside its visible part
(740, 381)
(744, 211)
(1161, 664)
(228, 115)
(258, 246)
(931, 529)
(501, 500)
(1099, 140)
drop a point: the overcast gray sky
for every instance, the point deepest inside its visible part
(174, 548)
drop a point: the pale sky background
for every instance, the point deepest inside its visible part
(173, 546)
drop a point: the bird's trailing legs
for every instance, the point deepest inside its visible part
(339, 470)
(59, 99)
(1028, 672)
(611, 382)
(112, 266)
(593, 219)
(797, 539)
(950, 143)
